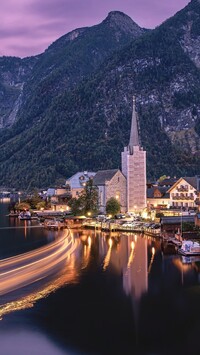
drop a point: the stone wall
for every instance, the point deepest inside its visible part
(116, 188)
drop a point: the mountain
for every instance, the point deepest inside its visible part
(69, 60)
(14, 72)
(75, 109)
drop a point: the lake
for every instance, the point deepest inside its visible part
(118, 293)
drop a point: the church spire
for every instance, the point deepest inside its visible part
(134, 135)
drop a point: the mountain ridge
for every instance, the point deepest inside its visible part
(80, 119)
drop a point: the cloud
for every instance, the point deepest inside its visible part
(30, 26)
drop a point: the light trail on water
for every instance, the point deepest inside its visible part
(24, 269)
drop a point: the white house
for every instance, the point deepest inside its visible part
(76, 183)
(184, 192)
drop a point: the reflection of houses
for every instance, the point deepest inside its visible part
(184, 192)
(110, 183)
(76, 183)
(158, 197)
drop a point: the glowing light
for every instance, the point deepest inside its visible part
(108, 255)
(152, 259)
(132, 245)
(29, 300)
(89, 241)
(110, 242)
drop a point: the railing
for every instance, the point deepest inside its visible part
(191, 198)
(182, 188)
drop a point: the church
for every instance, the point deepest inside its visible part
(134, 168)
(127, 185)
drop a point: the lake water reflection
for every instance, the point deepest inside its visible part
(117, 294)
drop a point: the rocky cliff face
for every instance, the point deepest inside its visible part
(14, 72)
(75, 110)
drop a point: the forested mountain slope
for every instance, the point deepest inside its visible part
(82, 121)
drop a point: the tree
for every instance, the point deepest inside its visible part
(40, 205)
(112, 206)
(76, 206)
(161, 178)
(89, 198)
(87, 202)
(22, 206)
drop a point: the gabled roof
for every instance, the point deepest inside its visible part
(104, 175)
(168, 182)
(163, 191)
(76, 181)
(190, 180)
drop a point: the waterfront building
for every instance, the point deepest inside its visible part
(184, 193)
(110, 183)
(134, 168)
(158, 197)
(76, 183)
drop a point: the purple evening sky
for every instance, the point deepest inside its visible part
(28, 27)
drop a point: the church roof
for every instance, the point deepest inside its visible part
(134, 135)
(104, 175)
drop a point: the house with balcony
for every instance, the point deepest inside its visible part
(184, 193)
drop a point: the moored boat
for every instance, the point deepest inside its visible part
(24, 215)
(189, 248)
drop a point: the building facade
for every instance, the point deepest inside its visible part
(158, 197)
(184, 193)
(110, 183)
(76, 183)
(134, 168)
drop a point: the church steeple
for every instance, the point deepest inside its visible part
(134, 135)
(134, 168)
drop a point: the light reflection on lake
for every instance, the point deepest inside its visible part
(119, 293)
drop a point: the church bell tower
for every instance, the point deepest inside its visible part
(134, 168)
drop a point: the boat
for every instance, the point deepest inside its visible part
(174, 241)
(13, 214)
(190, 259)
(54, 224)
(25, 215)
(189, 248)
